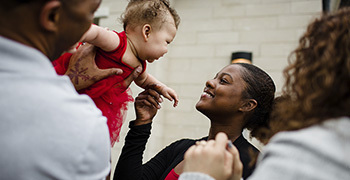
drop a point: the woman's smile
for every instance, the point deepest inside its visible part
(207, 94)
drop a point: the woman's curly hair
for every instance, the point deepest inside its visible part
(317, 84)
(153, 12)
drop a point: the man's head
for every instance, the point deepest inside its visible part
(51, 26)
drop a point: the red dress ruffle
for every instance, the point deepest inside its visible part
(109, 94)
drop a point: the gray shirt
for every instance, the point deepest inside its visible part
(47, 130)
(320, 152)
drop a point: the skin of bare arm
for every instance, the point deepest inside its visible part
(145, 80)
(101, 37)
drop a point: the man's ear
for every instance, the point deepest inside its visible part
(49, 15)
(146, 31)
(248, 105)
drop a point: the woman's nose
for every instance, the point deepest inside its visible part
(210, 83)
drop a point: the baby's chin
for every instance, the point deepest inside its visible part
(151, 61)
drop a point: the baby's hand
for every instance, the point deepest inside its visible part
(168, 93)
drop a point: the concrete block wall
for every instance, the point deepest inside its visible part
(209, 32)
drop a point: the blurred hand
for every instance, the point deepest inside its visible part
(215, 159)
(82, 69)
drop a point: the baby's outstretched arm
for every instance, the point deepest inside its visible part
(145, 80)
(101, 37)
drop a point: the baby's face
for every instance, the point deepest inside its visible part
(158, 40)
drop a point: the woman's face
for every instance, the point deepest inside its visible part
(223, 94)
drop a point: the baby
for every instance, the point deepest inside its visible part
(149, 26)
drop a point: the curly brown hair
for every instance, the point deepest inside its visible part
(317, 85)
(152, 12)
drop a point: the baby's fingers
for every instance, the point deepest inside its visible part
(176, 100)
(167, 95)
(173, 96)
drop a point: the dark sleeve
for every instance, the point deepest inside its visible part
(248, 154)
(130, 165)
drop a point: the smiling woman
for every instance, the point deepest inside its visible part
(240, 96)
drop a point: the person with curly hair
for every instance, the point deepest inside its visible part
(149, 27)
(310, 123)
(239, 97)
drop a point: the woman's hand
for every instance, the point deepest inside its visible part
(147, 104)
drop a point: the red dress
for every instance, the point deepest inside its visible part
(172, 175)
(108, 94)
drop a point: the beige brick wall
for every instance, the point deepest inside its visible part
(209, 31)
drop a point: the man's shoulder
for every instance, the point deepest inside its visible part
(55, 125)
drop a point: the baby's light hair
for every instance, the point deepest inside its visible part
(153, 12)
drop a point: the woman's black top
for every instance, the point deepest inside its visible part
(130, 167)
